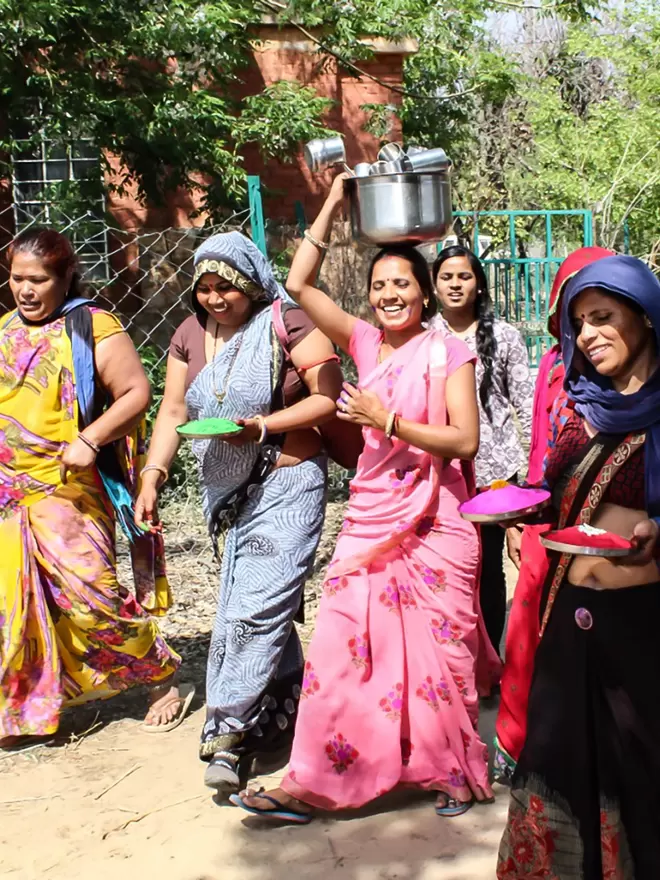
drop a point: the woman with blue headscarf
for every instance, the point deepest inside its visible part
(585, 798)
(249, 355)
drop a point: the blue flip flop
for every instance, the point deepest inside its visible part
(454, 808)
(280, 813)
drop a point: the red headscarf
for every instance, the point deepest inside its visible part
(570, 267)
(550, 377)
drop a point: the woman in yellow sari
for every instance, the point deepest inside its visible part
(72, 393)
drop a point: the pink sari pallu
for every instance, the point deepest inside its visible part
(389, 693)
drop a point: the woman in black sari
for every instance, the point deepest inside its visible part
(585, 799)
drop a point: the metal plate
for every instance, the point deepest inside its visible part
(577, 550)
(505, 516)
(190, 435)
(187, 436)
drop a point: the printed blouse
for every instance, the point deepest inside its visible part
(501, 454)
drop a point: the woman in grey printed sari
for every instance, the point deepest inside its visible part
(263, 489)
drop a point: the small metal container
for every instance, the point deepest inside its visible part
(323, 154)
(378, 168)
(394, 167)
(390, 153)
(362, 169)
(429, 160)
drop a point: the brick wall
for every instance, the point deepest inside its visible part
(284, 57)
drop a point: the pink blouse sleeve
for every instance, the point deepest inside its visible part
(363, 347)
(458, 354)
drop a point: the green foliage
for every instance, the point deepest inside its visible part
(595, 132)
(280, 117)
(573, 124)
(156, 84)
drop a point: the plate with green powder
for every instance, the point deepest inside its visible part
(206, 429)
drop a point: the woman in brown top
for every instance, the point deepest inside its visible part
(248, 356)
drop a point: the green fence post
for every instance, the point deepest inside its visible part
(626, 237)
(301, 220)
(257, 213)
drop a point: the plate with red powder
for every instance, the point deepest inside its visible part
(504, 501)
(586, 540)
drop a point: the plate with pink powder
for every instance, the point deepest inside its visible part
(504, 501)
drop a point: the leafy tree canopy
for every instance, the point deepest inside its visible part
(156, 82)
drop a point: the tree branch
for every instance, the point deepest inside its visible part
(275, 7)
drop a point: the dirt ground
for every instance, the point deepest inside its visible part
(104, 800)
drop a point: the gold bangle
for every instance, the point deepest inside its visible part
(389, 427)
(322, 245)
(156, 467)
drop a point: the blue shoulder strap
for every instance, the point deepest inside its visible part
(80, 327)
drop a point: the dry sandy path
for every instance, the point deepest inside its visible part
(60, 819)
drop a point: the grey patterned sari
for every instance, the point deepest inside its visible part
(255, 659)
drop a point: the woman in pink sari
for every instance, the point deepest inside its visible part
(390, 692)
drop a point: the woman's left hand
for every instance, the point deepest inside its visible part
(76, 457)
(362, 407)
(644, 538)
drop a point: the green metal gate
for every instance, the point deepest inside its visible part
(524, 251)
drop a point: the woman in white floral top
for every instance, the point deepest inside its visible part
(505, 386)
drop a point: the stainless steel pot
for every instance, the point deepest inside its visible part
(407, 208)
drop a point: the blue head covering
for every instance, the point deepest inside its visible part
(594, 396)
(237, 259)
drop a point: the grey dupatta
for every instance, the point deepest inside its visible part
(247, 371)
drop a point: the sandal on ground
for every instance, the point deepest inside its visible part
(280, 813)
(184, 698)
(453, 807)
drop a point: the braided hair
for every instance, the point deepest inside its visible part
(484, 314)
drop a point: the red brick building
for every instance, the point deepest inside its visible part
(285, 54)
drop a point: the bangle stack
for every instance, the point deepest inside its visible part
(391, 425)
(90, 443)
(321, 245)
(156, 467)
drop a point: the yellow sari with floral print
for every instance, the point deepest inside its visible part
(69, 631)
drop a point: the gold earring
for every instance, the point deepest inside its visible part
(426, 302)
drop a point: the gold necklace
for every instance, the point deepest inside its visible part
(220, 395)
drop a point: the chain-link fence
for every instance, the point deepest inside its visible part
(142, 276)
(145, 278)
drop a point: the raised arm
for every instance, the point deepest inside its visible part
(324, 311)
